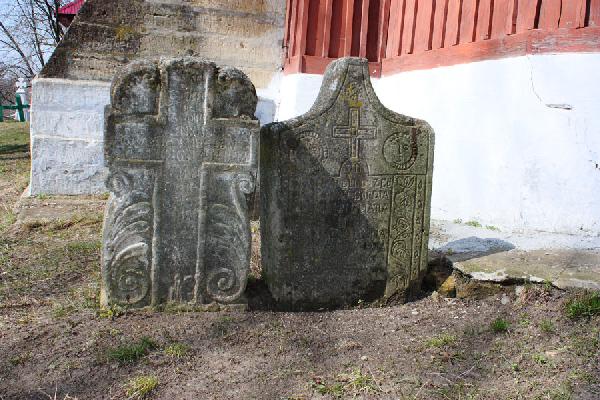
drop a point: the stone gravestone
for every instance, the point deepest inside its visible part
(345, 197)
(180, 145)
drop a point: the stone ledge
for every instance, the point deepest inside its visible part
(490, 255)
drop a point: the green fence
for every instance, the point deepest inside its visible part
(20, 107)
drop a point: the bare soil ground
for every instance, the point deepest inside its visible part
(55, 341)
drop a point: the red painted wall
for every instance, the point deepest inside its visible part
(416, 34)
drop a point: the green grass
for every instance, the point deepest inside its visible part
(441, 340)
(347, 385)
(131, 352)
(19, 359)
(84, 246)
(499, 325)
(323, 388)
(547, 326)
(177, 350)
(111, 312)
(14, 137)
(141, 386)
(540, 359)
(585, 305)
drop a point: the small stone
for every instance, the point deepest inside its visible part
(414, 312)
(505, 299)
(364, 358)
(519, 290)
(448, 288)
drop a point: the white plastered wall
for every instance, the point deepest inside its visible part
(517, 139)
(67, 133)
(67, 130)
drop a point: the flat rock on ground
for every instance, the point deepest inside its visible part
(487, 254)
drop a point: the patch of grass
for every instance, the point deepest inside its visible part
(347, 385)
(131, 352)
(323, 388)
(473, 223)
(583, 376)
(111, 312)
(19, 359)
(360, 382)
(139, 387)
(524, 320)
(88, 296)
(60, 310)
(584, 305)
(499, 325)
(540, 359)
(492, 228)
(7, 219)
(473, 330)
(441, 340)
(458, 391)
(123, 33)
(547, 326)
(177, 350)
(14, 137)
(457, 221)
(84, 246)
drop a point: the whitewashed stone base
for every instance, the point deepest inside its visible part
(67, 130)
(67, 135)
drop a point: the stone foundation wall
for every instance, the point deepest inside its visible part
(107, 34)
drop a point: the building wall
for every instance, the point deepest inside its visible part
(70, 93)
(517, 139)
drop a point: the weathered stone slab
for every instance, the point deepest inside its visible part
(345, 197)
(180, 145)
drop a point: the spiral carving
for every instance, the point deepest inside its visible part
(245, 183)
(127, 237)
(129, 274)
(223, 285)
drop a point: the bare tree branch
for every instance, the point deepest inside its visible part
(29, 32)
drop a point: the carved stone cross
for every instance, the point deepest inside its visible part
(180, 144)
